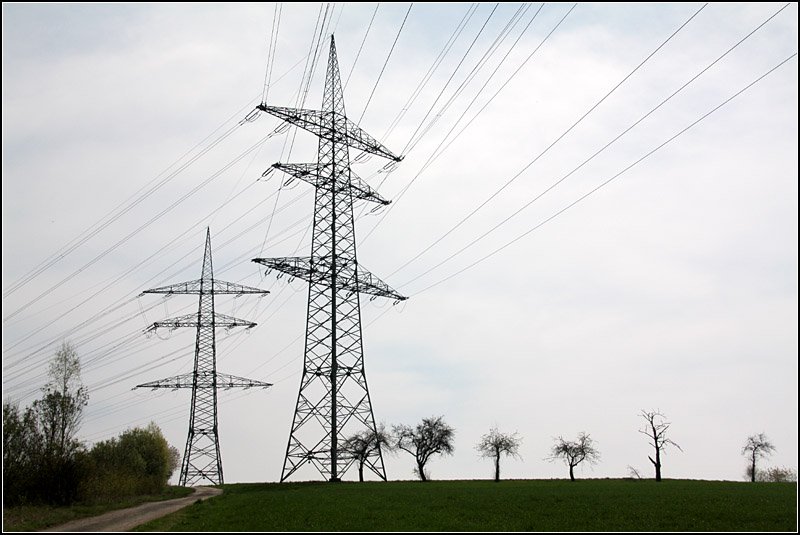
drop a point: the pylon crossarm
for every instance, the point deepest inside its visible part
(217, 287)
(231, 381)
(191, 320)
(359, 139)
(319, 271)
(179, 381)
(205, 380)
(309, 172)
(318, 122)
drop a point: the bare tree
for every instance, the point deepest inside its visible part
(432, 436)
(366, 444)
(656, 430)
(575, 452)
(494, 444)
(755, 447)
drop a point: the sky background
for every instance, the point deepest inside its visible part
(673, 287)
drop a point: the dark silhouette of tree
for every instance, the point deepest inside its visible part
(365, 444)
(656, 430)
(575, 452)
(494, 444)
(42, 457)
(432, 436)
(755, 447)
(22, 446)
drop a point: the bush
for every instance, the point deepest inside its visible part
(777, 474)
(139, 461)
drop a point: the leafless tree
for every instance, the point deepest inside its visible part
(633, 472)
(656, 430)
(432, 436)
(494, 444)
(366, 444)
(755, 447)
(575, 452)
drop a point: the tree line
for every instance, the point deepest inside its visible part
(433, 436)
(44, 462)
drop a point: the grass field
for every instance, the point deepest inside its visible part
(32, 518)
(516, 505)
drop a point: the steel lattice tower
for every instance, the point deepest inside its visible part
(201, 458)
(333, 401)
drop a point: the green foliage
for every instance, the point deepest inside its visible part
(21, 452)
(41, 454)
(139, 461)
(512, 505)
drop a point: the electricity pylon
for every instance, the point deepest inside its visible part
(201, 458)
(333, 401)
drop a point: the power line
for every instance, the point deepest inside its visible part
(436, 152)
(552, 144)
(609, 180)
(385, 63)
(590, 158)
(352, 68)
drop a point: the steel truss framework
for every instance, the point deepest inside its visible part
(201, 458)
(333, 401)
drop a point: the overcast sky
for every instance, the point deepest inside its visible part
(672, 287)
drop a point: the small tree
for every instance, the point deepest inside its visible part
(494, 444)
(656, 430)
(60, 411)
(432, 436)
(755, 447)
(575, 452)
(366, 444)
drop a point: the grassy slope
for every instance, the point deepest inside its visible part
(522, 505)
(32, 518)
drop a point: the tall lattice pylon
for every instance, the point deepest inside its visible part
(201, 458)
(333, 402)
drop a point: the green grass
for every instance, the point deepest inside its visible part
(517, 505)
(36, 517)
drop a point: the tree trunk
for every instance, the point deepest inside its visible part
(361, 471)
(421, 470)
(571, 473)
(753, 469)
(497, 468)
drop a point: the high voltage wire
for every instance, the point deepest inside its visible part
(478, 66)
(369, 27)
(501, 36)
(132, 200)
(611, 179)
(144, 225)
(436, 150)
(436, 100)
(380, 75)
(429, 74)
(590, 158)
(133, 268)
(559, 138)
(124, 207)
(273, 44)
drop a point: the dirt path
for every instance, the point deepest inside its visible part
(127, 519)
